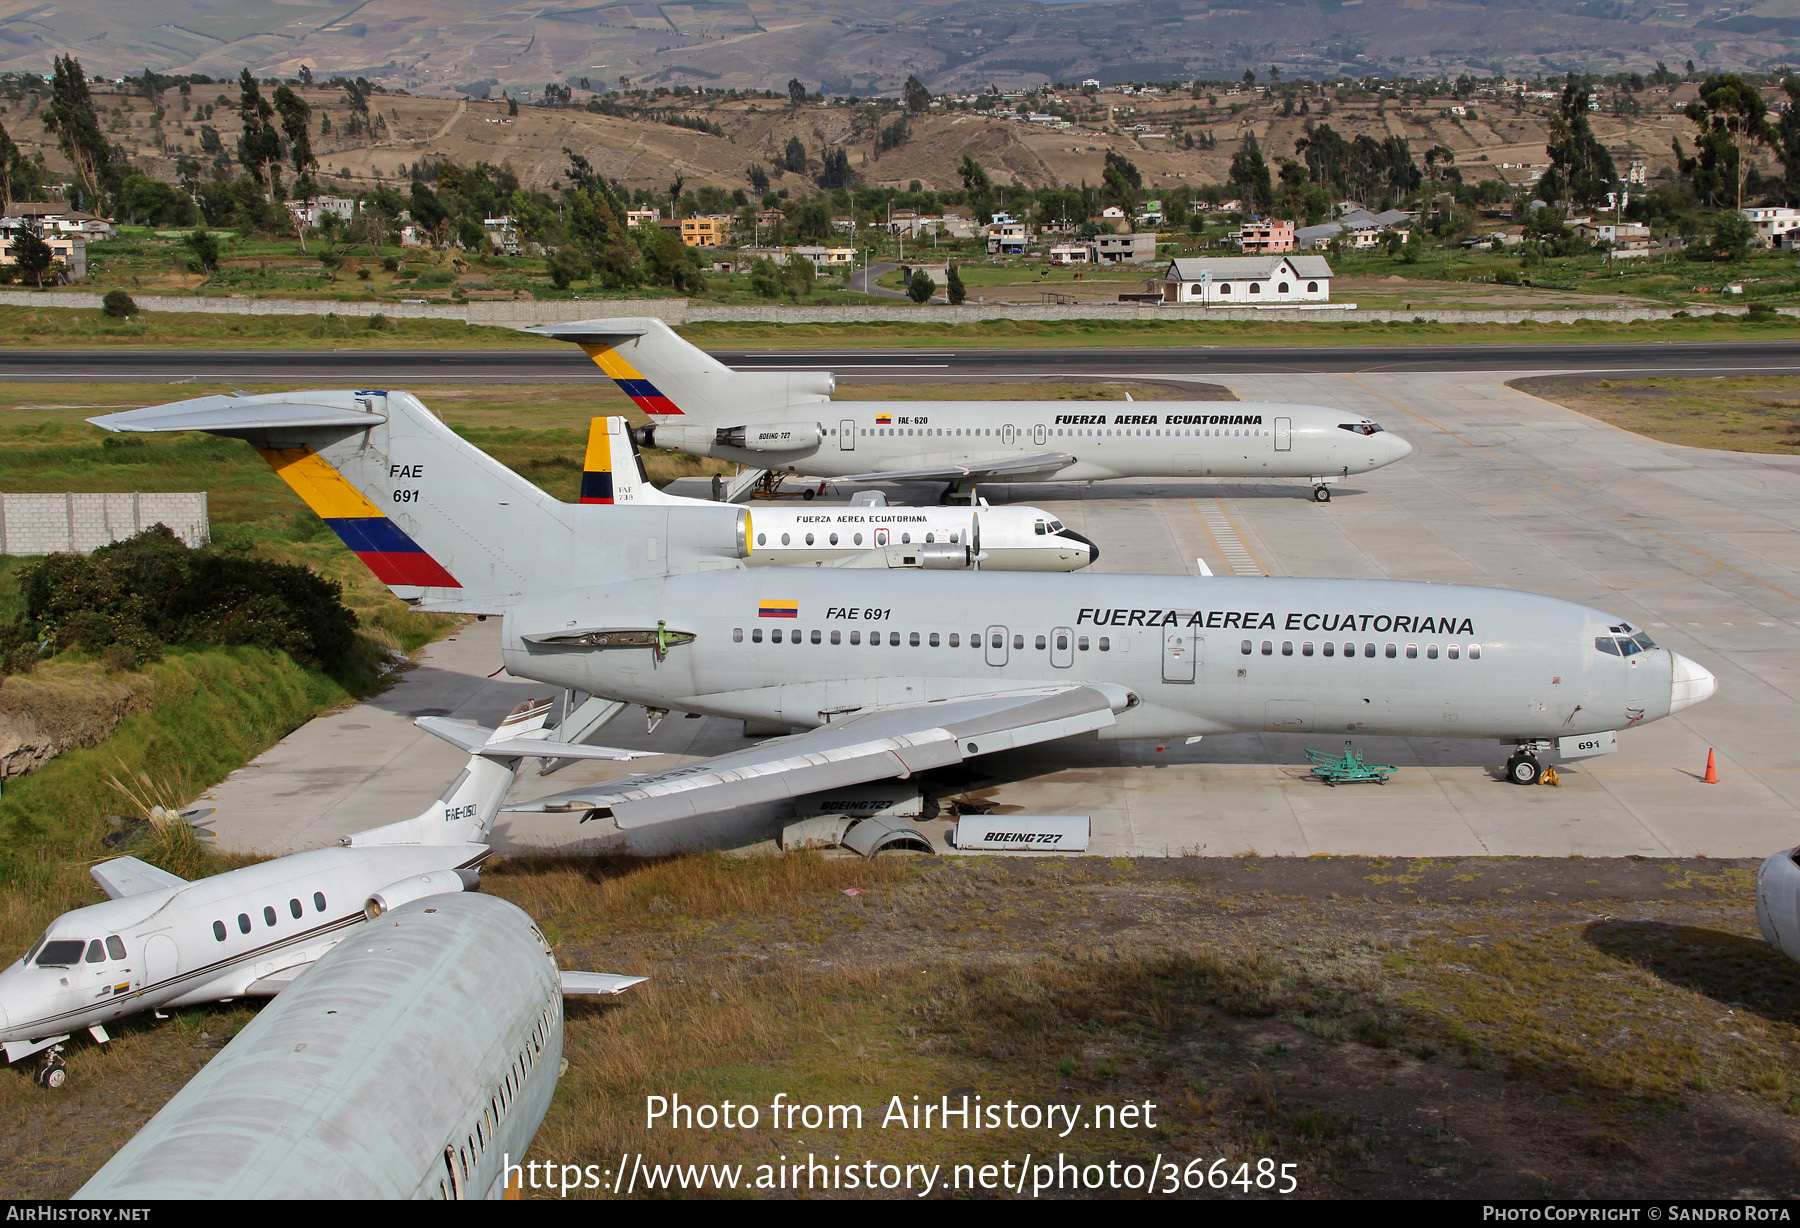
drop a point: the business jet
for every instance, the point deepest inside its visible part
(160, 941)
(871, 532)
(784, 423)
(892, 672)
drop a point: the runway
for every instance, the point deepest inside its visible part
(1504, 490)
(392, 368)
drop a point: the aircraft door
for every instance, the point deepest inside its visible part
(162, 959)
(1180, 650)
(996, 645)
(1039, 433)
(1006, 433)
(847, 435)
(1284, 434)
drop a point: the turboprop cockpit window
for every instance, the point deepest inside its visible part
(62, 953)
(1360, 428)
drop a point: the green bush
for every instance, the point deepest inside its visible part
(125, 601)
(118, 305)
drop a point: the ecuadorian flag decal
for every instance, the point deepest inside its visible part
(394, 557)
(884, 419)
(775, 608)
(645, 395)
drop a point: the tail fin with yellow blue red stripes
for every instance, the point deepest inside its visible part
(435, 518)
(613, 471)
(671, 380)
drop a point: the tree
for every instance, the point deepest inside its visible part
(1732, 235)
(294, 114)
(32, 255)
(978, 188)
(954, 288)
(205, 248)
(1787, 140)
(793, 158)
(1121, 182)
(916, 96)
(836, 172)
(10, 157)
(259, 147)
(1731, 115)
(512, 105)
(796, 93)
(758, 176)
(70, 115)
(1249, 176)
(306, 77)
(920, 287)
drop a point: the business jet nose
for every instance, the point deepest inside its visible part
(1691, 684)
(1398, 448)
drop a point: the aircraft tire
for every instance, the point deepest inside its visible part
(807, 494)
(51, 1075)
(1321, 494)
(1523, 769)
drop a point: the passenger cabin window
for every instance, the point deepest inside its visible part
(243, 923)
(1474, 652)
(1247, 648)
(219, 930)
(737, 635)
(1105, 644)
(268, 915)
(318, 901)
(295, 909)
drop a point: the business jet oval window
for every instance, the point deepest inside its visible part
(785, 539)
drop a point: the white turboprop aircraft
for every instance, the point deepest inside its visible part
(785, 423)
(869, 533)
(161, 941)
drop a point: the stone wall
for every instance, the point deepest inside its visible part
(47, 524)
(524, 314)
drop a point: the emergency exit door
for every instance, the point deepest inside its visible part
(1180, 648)
(996, 645)
(1039, 433)
(1006, 433)
(847, 435)
(1284, 434)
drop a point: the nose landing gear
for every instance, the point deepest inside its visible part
(51, 1073)
(1321, 494)
(1523, 768)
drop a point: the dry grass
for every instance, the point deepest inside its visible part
(1753, 413)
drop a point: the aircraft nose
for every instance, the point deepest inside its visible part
(1092, 549)
(1691, 683)
(1398, 448)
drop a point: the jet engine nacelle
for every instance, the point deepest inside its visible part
(774, 437)
(1778, 902)
(438, 882)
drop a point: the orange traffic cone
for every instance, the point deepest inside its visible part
(1712, 770)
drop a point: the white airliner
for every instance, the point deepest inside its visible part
(161, 941)
(869, 533)
(893, 672)
(414, 1062)
(785, 423)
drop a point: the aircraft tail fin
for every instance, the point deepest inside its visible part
(464, 813)
(435, 518)
(672, 380)
(613, 471)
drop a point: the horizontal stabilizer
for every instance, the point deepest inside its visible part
(876, 744)
(479, 741)
(584, 983)
(999, 467)
(257, 413)
(275, 982)
(123, 876)
(590, 332)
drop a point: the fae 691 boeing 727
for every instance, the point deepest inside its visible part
(888, 672)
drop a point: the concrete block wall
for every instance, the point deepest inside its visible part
(72, 522)
(524, 314)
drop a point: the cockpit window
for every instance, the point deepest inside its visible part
(1040, 528)
(115, 947)
(1606, 644)
(62, 953)
(1360, 428)
(96, 952)
(1631, 645)
(1056, 526)
(1645, 642)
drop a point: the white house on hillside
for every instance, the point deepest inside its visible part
(1248, 281)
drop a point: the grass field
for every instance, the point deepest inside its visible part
(1752, 413)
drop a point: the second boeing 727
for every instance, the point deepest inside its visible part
(782, 423)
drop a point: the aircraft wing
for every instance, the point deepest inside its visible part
(477, 741)
(123, 876)
(1001, 466)
(874, 744)
(582, 983)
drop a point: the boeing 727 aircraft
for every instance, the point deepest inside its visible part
(869, 533)
(784, 423)
(161, 941)
(888, 672)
